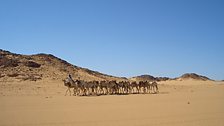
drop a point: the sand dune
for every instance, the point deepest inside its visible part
(179, 103)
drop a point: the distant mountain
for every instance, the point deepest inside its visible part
(186, 76)
(18, 67)
(148, 78)
(193, 76)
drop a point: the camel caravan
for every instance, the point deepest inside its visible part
(96, 88)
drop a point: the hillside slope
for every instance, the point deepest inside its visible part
(193, 76)
(18, 67)
(148, 78)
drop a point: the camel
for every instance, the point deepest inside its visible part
(83, 88)
(112, 87)
(154, 87)
(121, 87)
(134, 87)
(70, 83)
(92, 87)
(103, 85)
(143, 86)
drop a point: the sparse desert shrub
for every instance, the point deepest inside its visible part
(28, 58)
(1, 75)
(63, 69)
(5, 62)
(32, 78)
(13, 75)
(32, 64)
(162, 78)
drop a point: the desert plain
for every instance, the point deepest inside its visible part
(178, 103)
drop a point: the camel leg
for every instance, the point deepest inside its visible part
(69, 91)
(74, 92)
(154, 89)
(80, 91)
(66, 92)
(157, 89)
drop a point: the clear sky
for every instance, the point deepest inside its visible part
(120, 37)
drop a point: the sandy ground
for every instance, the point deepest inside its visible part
(179, 103)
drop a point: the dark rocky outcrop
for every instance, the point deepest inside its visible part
(32, 64)
(149, 78)
(193, 76)
(5, 62)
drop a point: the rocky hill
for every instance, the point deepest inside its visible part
(18, 67)
(193, 76)
(186, 76)
(149, 78)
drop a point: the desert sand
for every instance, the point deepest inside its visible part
(179, 103)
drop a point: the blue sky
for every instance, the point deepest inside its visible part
(120, 37)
